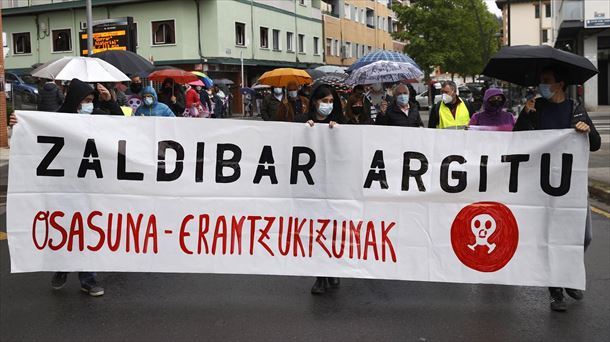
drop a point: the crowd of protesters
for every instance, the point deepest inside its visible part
(376, 104)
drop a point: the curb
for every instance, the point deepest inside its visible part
(600, 191)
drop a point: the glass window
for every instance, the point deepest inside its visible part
(537, 11)
(301, 43)
(276, 40)
(264, 37)
(21, 43)
(289, 41)
(62, 40)
(240, 34)
(329, 44)
(316, 43)
(163, 32)
(547, 10)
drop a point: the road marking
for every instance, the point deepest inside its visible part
(2, 236)
(600, 212)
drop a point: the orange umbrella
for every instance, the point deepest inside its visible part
(282, 76)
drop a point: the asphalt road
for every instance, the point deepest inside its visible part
(188, 307)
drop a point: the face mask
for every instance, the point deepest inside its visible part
(148, 101)
(325, 108)
(402, 99)
(377, 86)
(135, 87)
(86, 108)
(292, 93)
(447, 98)
(545, 90)
(495, 103)
(198, 88)
(277, 91)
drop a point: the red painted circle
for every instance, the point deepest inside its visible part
(475, 253)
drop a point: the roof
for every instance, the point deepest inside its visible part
(60, 6)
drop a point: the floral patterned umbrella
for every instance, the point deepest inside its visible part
(384, 72)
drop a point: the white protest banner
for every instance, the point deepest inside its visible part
(103, 193)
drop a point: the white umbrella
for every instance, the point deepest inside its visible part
(384, 72)
(331, 69)
(86, 69)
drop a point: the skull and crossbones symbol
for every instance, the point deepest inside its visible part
(483, 226)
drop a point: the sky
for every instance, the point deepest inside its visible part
(491, 6)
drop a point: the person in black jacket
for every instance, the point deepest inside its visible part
(324, 107)
(401, 112)
(50, 97)
(172, 95)
(554, 110)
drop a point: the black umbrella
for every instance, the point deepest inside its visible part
(315, 73)
(223, 81)
(522, 65)
(128, 62)
(335, 80)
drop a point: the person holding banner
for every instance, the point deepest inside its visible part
(451, 111)
(80, 99)
(554, 110)
(325, 107)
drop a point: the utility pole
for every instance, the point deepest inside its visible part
(89, 29)
(3, 113)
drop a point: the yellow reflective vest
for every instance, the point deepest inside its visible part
(446, 119)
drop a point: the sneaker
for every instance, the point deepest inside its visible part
(319, 287)
(92, 289)
(558, 303)
(576, 294)
(59, 280)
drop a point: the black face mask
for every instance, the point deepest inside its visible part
(135, 87)
(496, 103)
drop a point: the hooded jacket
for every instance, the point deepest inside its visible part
(50, 98)
(491, 116)
(156, 109)
(336, 115)
(77, 91)
(165, 96)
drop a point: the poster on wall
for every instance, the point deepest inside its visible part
(597, 14)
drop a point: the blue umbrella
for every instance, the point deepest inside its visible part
(381, 55)
(246, 91)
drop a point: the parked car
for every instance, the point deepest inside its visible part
(27, 89)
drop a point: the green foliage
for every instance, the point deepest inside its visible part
(457, 35)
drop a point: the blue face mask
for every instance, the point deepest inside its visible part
(545, 90)
(402, 99)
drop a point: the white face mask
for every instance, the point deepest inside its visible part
(447, 98)
(277, 91)
(325, 108)
(292, 93)
(86, 108)
(148, 101)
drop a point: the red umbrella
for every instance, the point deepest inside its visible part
(178, 75)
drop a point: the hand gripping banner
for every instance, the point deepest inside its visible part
(101, 193)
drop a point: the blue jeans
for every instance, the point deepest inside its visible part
(86, 277)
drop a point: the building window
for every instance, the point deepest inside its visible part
(316, 47)
(289, 41)
(240, 34)
(537, 11)
(301, 43)
(62, 40)
(370, 18)
(163, 32)
(329, 44)
(390, 25)
(547, 10)
(370, 49)
(276, 40)
(545, 36)
(264, 37)
(355, 50)
(302, 2)
(362, 16)
(348, 50)
(337, 47)
(362, 50)
(347, 13)
(21, 43)
(356, 14)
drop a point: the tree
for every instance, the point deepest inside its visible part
(457, 35)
